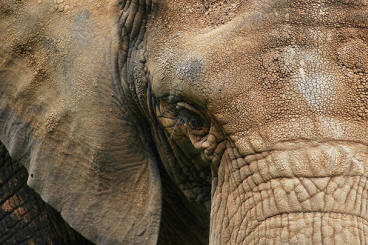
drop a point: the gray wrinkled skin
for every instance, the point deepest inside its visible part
(192, 122)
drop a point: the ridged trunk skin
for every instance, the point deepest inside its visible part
(301, 193)
(24, 217)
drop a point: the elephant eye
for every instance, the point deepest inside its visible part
(186, 118)
(182, 120)
(190, 118)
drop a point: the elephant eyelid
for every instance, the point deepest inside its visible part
(183, 105)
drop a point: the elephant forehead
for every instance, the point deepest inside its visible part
(300, 41)
(192, 14)
(283, 79)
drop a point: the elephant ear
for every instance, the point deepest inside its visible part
(66, 117)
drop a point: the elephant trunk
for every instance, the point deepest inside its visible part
(296, 193)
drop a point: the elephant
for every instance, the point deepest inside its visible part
(184, 122)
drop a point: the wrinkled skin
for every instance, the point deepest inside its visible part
(187, 122)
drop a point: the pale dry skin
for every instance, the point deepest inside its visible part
(148, 122)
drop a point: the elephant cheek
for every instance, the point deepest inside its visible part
(314, 193)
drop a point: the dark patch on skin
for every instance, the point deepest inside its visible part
(189, 70)
(82, 37)
(81, 30)
(51, 46)
(68, 65)
(82, 16)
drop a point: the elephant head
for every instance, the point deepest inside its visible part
(150, 121)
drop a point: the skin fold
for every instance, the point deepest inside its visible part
(191, 122)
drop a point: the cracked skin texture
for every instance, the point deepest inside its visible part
(262, 107)
(284, 83)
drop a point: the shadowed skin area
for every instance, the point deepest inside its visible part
(191, 122)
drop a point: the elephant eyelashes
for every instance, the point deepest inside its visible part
(190, 118)
(187, 119)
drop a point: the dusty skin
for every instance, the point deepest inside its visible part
(184, 122)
